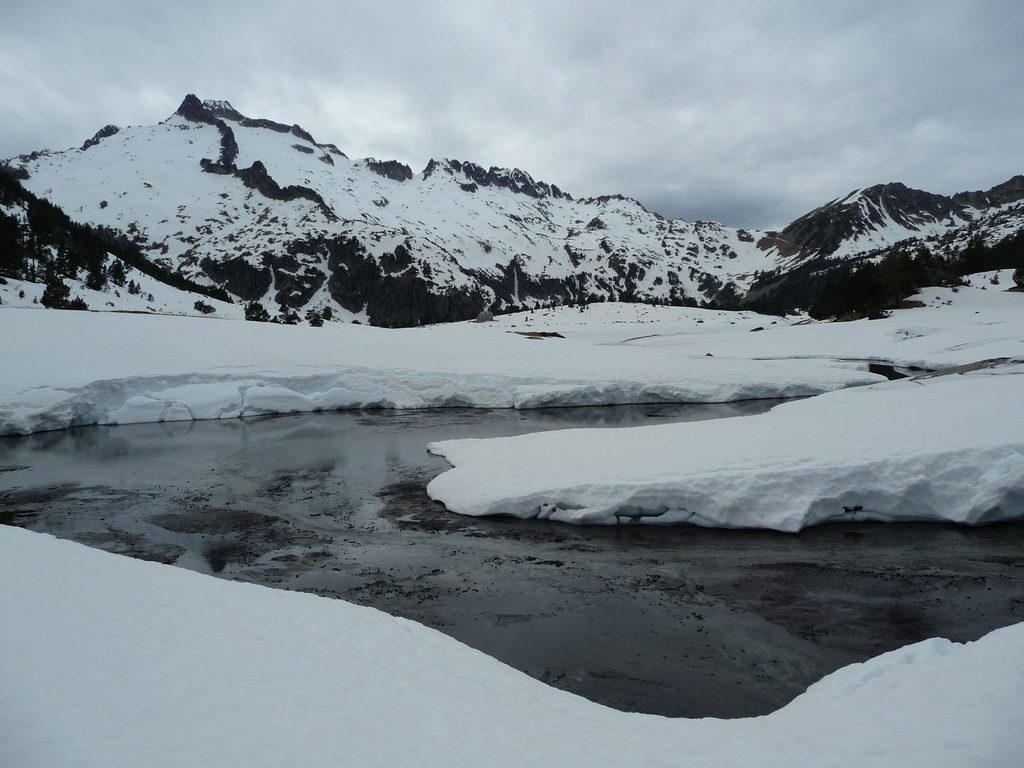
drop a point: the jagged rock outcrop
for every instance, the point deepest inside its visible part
(256, 177)
(224, 110)
(512, 179)
(389, 169)
(102, 133)
(191, 108)
(1010, 191)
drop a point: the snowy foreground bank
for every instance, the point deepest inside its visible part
(110, 661)
(63, 369)
(953, 326)
(947, 447)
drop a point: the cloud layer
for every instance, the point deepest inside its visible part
(748, 113)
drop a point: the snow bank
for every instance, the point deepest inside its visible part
(110, 662)
(64, 369)
(953, 326)
(932, 448)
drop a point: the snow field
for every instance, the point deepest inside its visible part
(104, 368)
(954, 327)
(111, 662)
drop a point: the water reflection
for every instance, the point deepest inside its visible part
(676, 621)
(370, 449)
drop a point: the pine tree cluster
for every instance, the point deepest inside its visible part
(868, 290)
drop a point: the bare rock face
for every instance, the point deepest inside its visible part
(390, 169)
(102, 133)
(1010, 191)
(296, 282)
(239, 277)
(512, 179)
(409, 298)
(191, 108)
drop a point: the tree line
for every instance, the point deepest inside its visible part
(871, 288)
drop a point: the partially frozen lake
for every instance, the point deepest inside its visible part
(678, 621)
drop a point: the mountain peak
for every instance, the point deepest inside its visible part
(223, 109)
(891, 206)
(890, 189)
(191, 108)
(208, 110)
(214, 112)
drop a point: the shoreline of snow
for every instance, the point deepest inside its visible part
(64, 369)
(123, 369)
(937, 447)
(110, 661)
(191, 397)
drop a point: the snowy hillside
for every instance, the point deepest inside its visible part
(271, 215)
(148, 296)
(48, 260)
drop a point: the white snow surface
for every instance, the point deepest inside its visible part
(65, 369)
(110, 661)
(955, 326)
(937, 447)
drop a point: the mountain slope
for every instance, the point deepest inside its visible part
(868, 224)
(885, 214)
(266, 212)
(48, 259)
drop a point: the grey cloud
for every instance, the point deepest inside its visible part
(746, 112)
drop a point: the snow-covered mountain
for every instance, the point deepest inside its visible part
(881, 216)
(271, 215)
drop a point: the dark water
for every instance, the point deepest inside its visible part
(677, 621)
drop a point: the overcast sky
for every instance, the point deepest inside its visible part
(749, 113)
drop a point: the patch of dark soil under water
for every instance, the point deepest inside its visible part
(676, 621)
